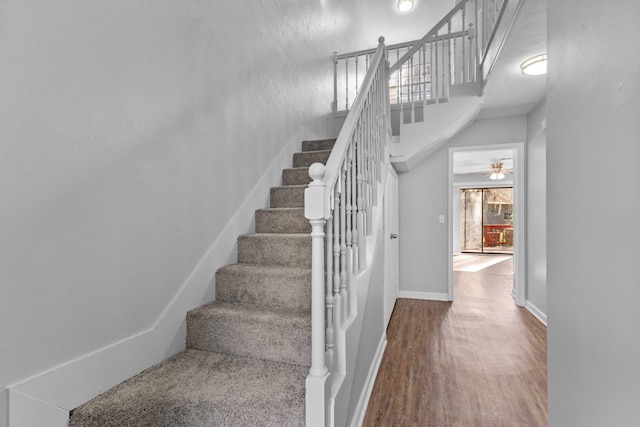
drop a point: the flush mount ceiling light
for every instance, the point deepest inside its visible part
(405, 5)
(497, 172)
(535, 66)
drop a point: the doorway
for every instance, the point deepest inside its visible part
(473, 168)
(486, 220)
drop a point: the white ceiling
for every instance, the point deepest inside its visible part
(507, 91)
(382, 18)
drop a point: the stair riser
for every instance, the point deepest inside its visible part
(289, 250)
(306, 159)
(282, 221)
(299, 176)
(321, 144)
(278, 291)
(281, 340)
(287, 197)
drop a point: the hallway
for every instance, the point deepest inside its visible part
(479, 361)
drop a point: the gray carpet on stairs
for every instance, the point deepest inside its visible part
(248, 353)
(199, 388)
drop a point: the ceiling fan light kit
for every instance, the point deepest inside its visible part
(497, 172)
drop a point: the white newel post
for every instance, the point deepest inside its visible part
(317, 385)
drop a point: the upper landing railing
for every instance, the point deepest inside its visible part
(450, 53)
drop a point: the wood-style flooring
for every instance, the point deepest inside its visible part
(477, 361)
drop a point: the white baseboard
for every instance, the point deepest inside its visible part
(430, 296)
(542, 317)
(66, 386)
(363, 402)
(27, 411)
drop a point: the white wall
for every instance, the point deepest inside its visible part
(593, 205)
(423, 196)
(536, 238)
(131, 134)
(382, 18)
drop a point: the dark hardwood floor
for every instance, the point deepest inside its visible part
(478, 361)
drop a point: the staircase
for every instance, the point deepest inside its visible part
(248, 352)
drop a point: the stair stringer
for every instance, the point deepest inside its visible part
(362, 339)
(443, 121)
(64, 387)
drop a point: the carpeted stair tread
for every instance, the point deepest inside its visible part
(282, 220)
(307, 158)
(276, 249)
(280, 335)
(198, 389)
(317, 145)
(296, 176)
(266, 285)
(290, 196)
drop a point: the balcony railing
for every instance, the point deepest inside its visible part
(424, 70)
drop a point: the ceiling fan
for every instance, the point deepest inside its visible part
(497, 172)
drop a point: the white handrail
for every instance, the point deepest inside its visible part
(338, 204)
(341, 145)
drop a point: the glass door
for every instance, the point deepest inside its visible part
(486, 220)
(471, 220)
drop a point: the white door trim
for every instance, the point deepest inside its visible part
(392, 280)
(519, 221)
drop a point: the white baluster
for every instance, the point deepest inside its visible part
(411, 89)
(472, 59)
(346, 83)
(335, 81)
(435, 89)
(423, 86)
(344, 293)
(349, 208)
(397, 73)
(329, 301)
(361, 244)
(336, 259)
(477, 27)
(354, 202)
(464, 17)
(448, 62)
(369, 171)
(357, 82)
(400, 100)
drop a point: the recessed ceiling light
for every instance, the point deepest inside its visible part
(535, 66)
(405, 5)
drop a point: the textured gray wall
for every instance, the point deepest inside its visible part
(593, 130)
(423, 196)
(132, 132)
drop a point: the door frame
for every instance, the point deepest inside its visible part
(392, 277)
(459, 186)
(519, 214)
